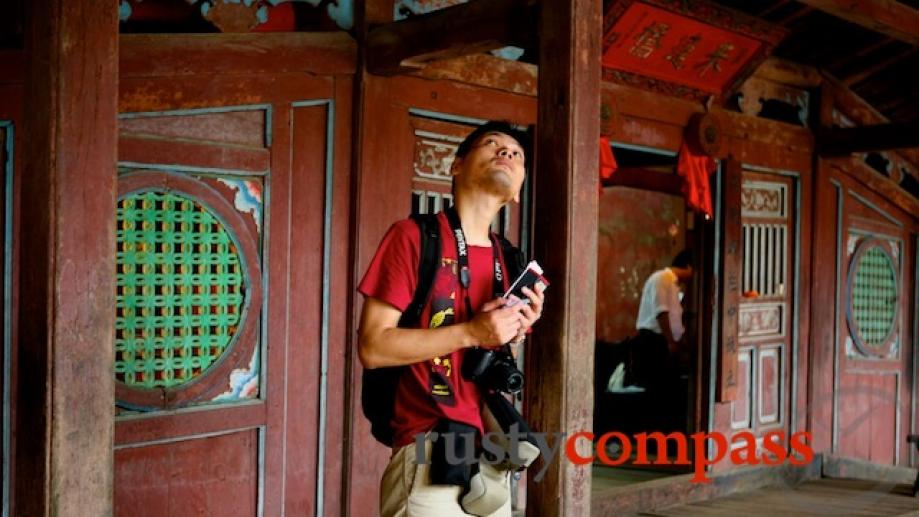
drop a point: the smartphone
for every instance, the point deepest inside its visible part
(530, 277)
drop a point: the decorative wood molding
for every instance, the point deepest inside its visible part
(888, 17)
(473, 27)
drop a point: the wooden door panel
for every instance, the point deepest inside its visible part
(741, 409)
(770, 384)
(302, 369)
(873, 349)
(217, 475)
(765, 322)
(868, 416)
(269, 162)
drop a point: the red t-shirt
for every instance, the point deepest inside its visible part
(433, 389)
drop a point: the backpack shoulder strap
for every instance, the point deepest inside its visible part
(514, 259)
(378, 390)
(429, 228)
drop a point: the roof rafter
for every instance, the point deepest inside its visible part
(878, 137)
(885, 16)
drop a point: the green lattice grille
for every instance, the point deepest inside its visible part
(180, 290)
(874, 296)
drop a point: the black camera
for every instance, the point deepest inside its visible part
(493, 369)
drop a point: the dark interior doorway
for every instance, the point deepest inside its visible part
(643, 224)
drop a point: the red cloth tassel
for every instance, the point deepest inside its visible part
(608, 163)
(695, 169)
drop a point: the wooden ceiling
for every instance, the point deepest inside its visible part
(879, 64)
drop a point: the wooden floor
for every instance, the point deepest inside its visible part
(821, 497)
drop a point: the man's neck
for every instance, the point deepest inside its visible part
(476, 216)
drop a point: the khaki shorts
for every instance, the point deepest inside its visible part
(406, 490)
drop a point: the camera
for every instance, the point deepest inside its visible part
(493, 369)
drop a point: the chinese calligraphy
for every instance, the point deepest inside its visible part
(649, 40)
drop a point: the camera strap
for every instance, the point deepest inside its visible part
(462, 258)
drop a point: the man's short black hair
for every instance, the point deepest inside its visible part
(683, 259)
(494, 126)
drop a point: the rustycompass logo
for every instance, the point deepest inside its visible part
(740, 449)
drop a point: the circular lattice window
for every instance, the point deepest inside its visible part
(184, 288)
(873, 297)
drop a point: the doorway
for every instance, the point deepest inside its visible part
(643, 225)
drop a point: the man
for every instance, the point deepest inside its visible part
(462, 312)
(660, 313)
(656, 350)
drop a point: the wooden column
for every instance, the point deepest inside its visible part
(65, 387)
(365, 459)
(565, 242)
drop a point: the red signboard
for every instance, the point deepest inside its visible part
(698, 52)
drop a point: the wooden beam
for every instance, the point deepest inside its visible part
(63, 427)
(646, 179)
(888, 17)
(860, 139)
(565, 212)
(857, 109)
(881, 184)
(156, 55)
(485, 70)
(788, 72)
(876, 67)
(790, 17)
(473, 27)
(775, 6)
(846, 58)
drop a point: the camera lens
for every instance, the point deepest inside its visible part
(503, 375)
(514, 382)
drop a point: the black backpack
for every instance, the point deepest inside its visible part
(378, 392)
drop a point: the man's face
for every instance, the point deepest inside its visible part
(494, 164)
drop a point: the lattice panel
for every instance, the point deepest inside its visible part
(874, 296)
(180, 290)
(430, 202)
(764, 264)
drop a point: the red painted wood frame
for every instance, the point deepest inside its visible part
(384, 186)
(262, 454)
(872, 395)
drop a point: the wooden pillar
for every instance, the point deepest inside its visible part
(65, 384)
(364, 458)
(565, 242)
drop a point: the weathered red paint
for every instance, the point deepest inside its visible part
(63, 423)
(174, 479)
(565, 242)
(288, 410)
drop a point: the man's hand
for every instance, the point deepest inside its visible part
(530, 312)
(496, 324)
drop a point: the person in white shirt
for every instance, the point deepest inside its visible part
(660, 320)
